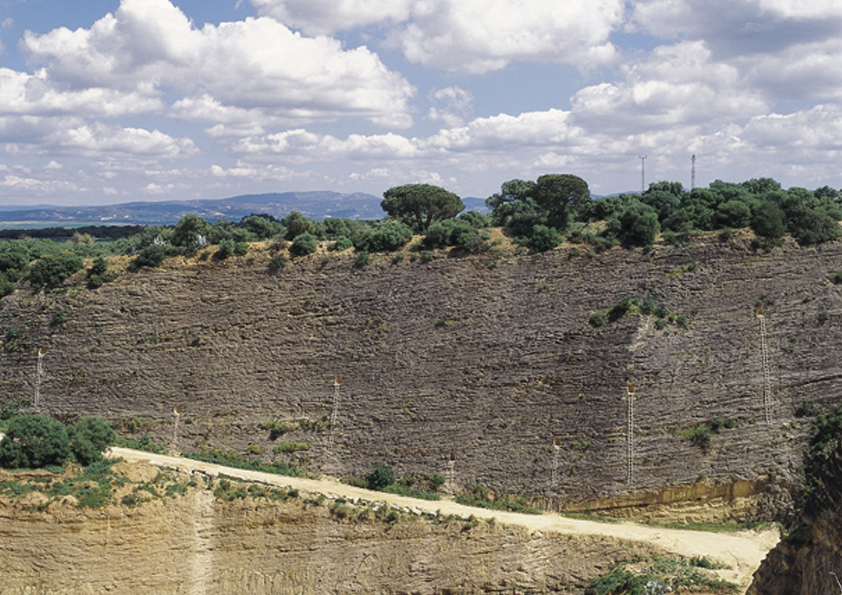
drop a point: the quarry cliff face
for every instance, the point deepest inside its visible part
(483, 368)
(196, 542)
(805, 562)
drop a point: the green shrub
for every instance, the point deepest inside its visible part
(58, 319)
(241, 248)
(381, 477)
(387, 237)
(34, 441)
(50, 271)
(15, 339)
(225, 250)
(303, 244)
(597, 320)
(341, 244)
(543, 238)
(151, 256)
(6, 286)
(89, 437)
(99, 266)
(289, 447)
(362, 259)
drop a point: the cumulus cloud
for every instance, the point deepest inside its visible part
(477, 36)
(740, 27)
(98, 139)
(148, 47)
(487, 35)
(817, 129)
(456, 104)
(677, 85)
(321, 17)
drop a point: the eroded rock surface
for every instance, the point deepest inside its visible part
(479, 367)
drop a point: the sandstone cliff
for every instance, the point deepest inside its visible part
(481, 367)
(200, 541)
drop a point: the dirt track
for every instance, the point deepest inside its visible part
(740, 552)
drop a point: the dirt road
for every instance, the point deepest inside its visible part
(740, 552)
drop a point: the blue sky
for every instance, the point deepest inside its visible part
(108, 101)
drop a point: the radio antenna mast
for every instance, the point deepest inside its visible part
(692, 172)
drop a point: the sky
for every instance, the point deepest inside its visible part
(111, 101)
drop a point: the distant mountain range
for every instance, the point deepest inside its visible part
(315, 205)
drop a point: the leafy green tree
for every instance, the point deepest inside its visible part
(14, 256)
(422, 203)
(386, 237)
(543, 238)
(225, 249)
(733, 213)
(511, 191)
(810, 226)
(335, 228)
(305, 243)
(559, 194)
(188, 229)
(34, 441)
(151, 256)
(89, 437)
(99, 266)
(51, 271)
(637, 225)
(263, 227)
(380, 478)
(768, 220)
(475, 219)
(297, 224)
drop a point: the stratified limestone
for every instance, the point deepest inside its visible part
(489, 362)
(195, 543)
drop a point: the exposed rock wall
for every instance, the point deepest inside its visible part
(805, 561)
(197, 544)
(489, 361)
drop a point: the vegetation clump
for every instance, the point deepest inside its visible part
(34, 441)
(660, 575)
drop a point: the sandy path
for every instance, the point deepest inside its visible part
(740, 552)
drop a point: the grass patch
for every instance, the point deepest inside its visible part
(659, 575)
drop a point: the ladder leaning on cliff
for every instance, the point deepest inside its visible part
(764, 354)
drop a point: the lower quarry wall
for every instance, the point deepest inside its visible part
(484, 368)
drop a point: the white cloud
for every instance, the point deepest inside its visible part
(321, 17)
(97, 139)
(486, 35)
(22, 93)
(817, 129)
(253, 171)
(149, 46)
(477, 36)
(675, 86)
(457, 104)
(36, 185)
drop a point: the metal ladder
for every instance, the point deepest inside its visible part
(767, 384)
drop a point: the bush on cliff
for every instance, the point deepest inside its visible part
(381, 477)
(51, 271)
(34, 441)
(89, 437)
